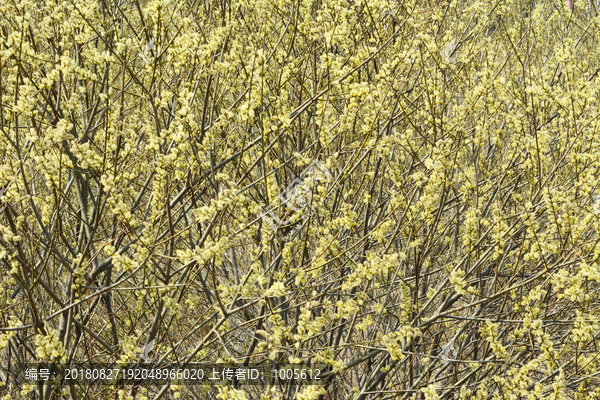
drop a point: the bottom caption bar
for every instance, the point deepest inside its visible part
(185, 375)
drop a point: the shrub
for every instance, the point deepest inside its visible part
(404, 193)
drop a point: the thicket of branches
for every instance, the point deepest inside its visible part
(406, 192)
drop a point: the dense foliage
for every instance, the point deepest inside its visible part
(406, 192)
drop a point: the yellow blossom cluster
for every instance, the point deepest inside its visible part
(49, 346)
